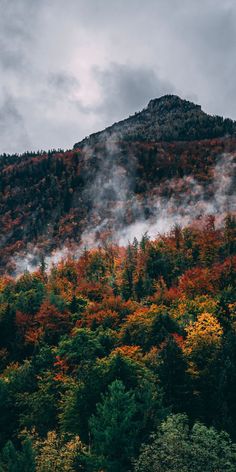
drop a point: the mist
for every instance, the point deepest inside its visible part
(192, 203)
(113, 202)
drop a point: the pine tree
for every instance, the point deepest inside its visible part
(17, 461)
(114, 428)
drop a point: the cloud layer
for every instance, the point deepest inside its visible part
(67, 70)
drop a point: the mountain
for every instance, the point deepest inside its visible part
(97, 348)
(170, 163)
(168, 118)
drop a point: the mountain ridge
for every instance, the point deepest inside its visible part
(167, 118)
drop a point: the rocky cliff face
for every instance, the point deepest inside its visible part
(170, 163)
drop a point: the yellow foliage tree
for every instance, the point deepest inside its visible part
(205, 332)
(55, 455)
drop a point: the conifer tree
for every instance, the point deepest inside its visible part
(114, 428)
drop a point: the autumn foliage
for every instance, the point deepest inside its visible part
(115, 333)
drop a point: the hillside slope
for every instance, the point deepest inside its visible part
(170, 163)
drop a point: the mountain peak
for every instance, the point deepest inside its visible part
(169, 102)
(167, 118)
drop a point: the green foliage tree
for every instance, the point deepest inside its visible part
(12, 460)
(175, 447)
(114, 428)
(127, 284)
(223, 395)
(83, 346)
(80, 399)
(7, 412)
(175, 381)
(29, 293)
(38, 409)
(230, 235)
(7, 326)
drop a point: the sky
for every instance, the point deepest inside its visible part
(70, 68)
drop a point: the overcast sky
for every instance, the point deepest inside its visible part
(69, 68)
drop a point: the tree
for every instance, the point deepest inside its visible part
(12, 460)
(82, 347)
(148, 326)
(29, 293)
(224, 393)
(7, 326)
(203, 336)
(114, 428)
(128, 273)
(172, 372)
(7, 412)
(80, 399)
(175, 447)
(202, 346)
(55, 454)
(230, 235)
(52, 323)
(38, 409)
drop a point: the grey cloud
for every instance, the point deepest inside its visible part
(18, 26)
(71, 69)
(127, 89)
(206, 38)
(63, 82)
(13, 134)
(61, 86)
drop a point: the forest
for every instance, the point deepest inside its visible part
(48, 199)
(123, 359)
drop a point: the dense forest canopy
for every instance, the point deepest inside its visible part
(124, 359)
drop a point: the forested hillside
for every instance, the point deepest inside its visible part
(101, 352)
(117, 298)
(163, 164)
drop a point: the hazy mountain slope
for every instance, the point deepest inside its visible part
(170, 163)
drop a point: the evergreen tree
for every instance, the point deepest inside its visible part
(114, 428)
(17, 461)
(127, 283)
(173, 376)
(230, 235)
